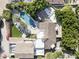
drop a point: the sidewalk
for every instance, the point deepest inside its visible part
(5, 44)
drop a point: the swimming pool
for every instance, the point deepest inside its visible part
(28, 19)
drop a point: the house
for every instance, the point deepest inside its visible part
(49, 33)
(15, 0)
(58, 29)
(49, 15)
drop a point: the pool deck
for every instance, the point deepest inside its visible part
(33, 30)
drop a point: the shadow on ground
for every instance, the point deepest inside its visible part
(1, 50)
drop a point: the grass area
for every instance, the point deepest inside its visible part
(16, 32)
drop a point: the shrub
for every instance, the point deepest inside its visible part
(77, 54)
(39, 57)
(7, 15)
(54, 55)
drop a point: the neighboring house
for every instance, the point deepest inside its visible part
(8, 30)
(15, 0)
(57, 2)
(62, 2)
(28, 1)
(72, 2)
(49, 33)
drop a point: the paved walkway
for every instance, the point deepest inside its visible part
(5, 45)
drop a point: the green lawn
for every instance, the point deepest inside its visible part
(16, 32)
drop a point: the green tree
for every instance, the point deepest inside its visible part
(54, 55)
(77, 54)
(11, 6)
(35, 7)
(7, 15)
(30, 8)
(70, 27)
(77, 11)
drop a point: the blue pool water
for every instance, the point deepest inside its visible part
(28, 20)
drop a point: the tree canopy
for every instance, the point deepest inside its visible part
(7, 15)
(54, 55)
(70, 27)
(30, 8)
(77, 11)
(35, 7)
